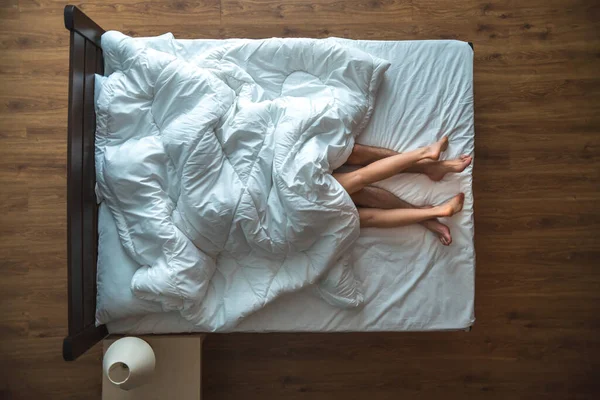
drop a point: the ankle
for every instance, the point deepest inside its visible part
(444, 210)
(426, 153)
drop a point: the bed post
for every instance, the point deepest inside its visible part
(85, 60)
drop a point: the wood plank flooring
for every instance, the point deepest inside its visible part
(537, 202)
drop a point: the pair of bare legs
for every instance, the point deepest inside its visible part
(379, 208)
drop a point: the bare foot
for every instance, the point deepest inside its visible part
(438, 169)
(439, 229)
(452, 206)
(434, 150)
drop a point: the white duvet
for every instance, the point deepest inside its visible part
(217, 170)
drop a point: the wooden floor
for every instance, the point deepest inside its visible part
(537, 198)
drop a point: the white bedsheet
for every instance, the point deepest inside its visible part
(410, 281)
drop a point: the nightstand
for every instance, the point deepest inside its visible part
(177, 374)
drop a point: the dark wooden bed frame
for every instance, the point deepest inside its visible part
(82, 211)
(85, 60)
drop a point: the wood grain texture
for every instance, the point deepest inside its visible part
(536, 183)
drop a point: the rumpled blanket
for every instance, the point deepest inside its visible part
(217, 169)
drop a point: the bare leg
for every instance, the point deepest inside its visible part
(379, 218)
(387, 167)
(365, 155)
(435, 170)
(374, 197)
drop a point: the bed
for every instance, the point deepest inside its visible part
(412, 283)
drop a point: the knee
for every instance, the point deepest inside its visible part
(352, 182)
(358, 181)
(367, 217)
(355, 157)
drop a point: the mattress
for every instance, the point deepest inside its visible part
(411, 282)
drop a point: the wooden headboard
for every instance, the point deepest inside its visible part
(85, 60)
